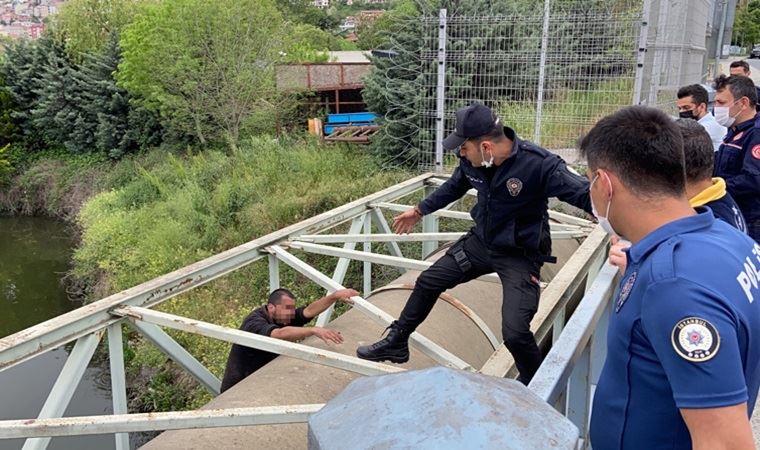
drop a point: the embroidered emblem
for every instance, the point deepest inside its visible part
(756, 151)
(625, 291)
(514, 186)
(695, 339)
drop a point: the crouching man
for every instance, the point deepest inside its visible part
(280, 319)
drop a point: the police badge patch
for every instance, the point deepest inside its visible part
(625, 291)
(695, 339)
(514, 186)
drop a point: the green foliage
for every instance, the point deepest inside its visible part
(165, 211)
(207, 66)
(186, 209)
(77, 106)
(85, 26)
(6, 167)
(747, 24)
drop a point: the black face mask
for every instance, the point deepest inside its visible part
(687, 115)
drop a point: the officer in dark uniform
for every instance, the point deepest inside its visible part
(514, 180)
(741, 67)
(738, 159)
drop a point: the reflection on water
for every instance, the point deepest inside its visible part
(34, 254)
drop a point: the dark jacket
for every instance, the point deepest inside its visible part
(738, 162)
(512, 209)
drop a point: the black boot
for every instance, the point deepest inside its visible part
(394, 347)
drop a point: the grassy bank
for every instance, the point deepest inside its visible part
(154, 213)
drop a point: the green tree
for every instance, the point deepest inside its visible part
(207, 66)
(747, 24)
(86, 25)
(109, 121)
(23, 69)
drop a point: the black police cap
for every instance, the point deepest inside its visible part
(472, 121)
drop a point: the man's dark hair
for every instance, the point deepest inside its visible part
(741, 63)
(276, 296)
(698, 150)
(739, 86)
(697, 93)
(496, 134)
(643, 146)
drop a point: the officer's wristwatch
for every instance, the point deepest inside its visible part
(418, 211)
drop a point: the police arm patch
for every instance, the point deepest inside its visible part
(695, 339)
(756, 151)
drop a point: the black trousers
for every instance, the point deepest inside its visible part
(519, 279)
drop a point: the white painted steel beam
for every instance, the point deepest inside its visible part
(128, 423)
(53, 333)
(440, 213)
(552, 377)
(118, 380)
(67, 382)
(425, 345)
(384, 237)
(392, 246)
(179, 355)
(341, 268)
(367, 265)
(252, 340)
(376, 258)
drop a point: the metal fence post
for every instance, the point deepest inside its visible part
(118, 381)
(642, 52)
(542, 72)
(440, 92)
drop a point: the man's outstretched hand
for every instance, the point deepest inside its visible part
(327, 335)
(405, 222)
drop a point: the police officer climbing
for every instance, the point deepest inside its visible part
(514, 180)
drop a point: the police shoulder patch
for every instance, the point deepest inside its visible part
(756, 151)
(695, 339)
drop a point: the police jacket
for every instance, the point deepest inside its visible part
(738, 162)
(511, 214)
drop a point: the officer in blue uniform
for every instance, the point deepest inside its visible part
(514, 180)
(683, 363)
(738, 159)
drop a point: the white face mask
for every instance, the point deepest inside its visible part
(723, 115)
(604, 220)
(483, 162)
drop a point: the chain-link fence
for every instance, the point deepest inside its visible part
(551, 71)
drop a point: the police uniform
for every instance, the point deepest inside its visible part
(511, 236)
(684, 334)
(738, 162)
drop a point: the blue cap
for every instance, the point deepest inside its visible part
(472, 122)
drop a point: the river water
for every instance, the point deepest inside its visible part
(34, 254)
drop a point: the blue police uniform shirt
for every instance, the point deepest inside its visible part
(738, 162)
(684, 333)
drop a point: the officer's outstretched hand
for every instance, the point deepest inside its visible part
(616, 255)
(405, 222)
(328, 335)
